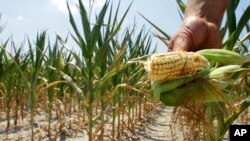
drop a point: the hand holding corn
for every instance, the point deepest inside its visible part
(200, 26)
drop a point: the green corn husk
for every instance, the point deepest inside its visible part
(225, 73)
(224, 57)
(160, 87)
(198, 91)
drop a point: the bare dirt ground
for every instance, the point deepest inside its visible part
(158, 126)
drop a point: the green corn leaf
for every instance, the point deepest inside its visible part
(118, 27)
(181, 5)
(73, 24)
(248, 27)
(108, 75)
(109, 26)
(3, 49)
(180, 14)
(96, 32)
(231, 17)
(223, 31)
(115, 16)
(236, 33)
(85, 21)
(103, 51)
(40, 45)
(78, 60)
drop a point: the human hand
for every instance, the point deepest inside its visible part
(195, 34)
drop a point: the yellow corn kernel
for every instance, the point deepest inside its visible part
(173, 65)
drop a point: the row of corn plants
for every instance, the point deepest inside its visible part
(211, 121)
(95, 88)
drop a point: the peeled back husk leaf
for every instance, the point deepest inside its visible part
(198, 91)
(159, 88)
(223, 72)
(224, 57)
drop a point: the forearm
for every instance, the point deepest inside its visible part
(210, 10)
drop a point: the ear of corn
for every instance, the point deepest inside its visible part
(181, 77)
(173, 65)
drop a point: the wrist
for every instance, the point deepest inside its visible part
(204, 17)
(199, 20)
(210, 11)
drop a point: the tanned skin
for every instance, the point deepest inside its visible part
(200, 27)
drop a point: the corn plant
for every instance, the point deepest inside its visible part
(54, 60)
(8, 88)
(36, 65)
(10, 84)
